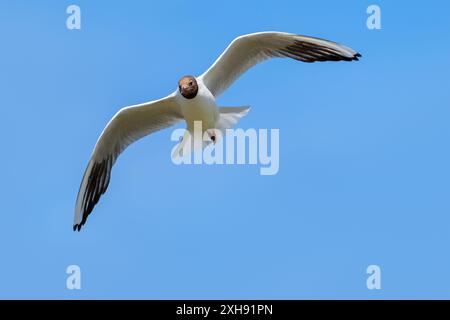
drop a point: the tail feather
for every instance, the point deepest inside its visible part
(229, 117)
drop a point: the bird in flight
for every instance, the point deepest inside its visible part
(195, 100)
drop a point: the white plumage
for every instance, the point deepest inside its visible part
(195, 100)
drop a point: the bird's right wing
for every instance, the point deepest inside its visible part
(128, 125)
(247, 50)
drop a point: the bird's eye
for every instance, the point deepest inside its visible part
(190, 83)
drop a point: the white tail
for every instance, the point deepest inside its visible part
(229, 117)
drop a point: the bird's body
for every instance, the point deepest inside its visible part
(200, 108)
(195, 100)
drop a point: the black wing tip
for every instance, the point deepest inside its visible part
(356, 57)
(97, 186)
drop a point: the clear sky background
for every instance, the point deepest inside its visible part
(364, 154)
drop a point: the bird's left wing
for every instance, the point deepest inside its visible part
(128, 125)
(247, 50)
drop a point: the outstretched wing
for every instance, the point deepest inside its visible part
(247, 50)
(128, 125)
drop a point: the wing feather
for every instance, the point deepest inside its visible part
(127, 126)
(248, 50)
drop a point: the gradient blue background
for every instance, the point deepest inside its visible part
(364, 163)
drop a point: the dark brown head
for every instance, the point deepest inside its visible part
(188, 87)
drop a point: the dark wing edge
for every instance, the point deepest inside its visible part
(308, 52)
(99, 174)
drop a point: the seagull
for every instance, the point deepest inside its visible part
(195, 100)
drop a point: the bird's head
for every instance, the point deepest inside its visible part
(188, 87)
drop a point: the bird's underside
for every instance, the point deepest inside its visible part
(135, 122)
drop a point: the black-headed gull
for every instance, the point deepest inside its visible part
(195, 100)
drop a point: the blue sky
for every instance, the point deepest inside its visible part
(364, 158)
